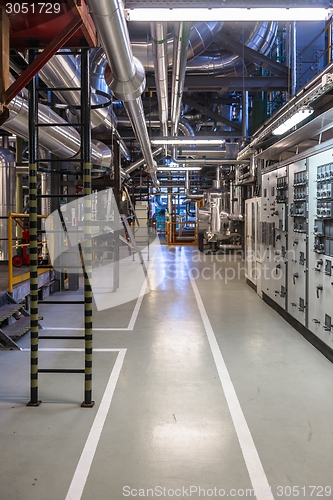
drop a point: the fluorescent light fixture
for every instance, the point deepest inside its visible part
(299, 116)
(228, 14)
(177, 169)
(188, 140)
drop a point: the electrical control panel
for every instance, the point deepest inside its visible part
(296, 241)
(274, 236)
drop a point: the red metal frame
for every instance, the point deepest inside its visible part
(42, 59)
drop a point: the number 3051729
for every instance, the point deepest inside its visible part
(32, 8)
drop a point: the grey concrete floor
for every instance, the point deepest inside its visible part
(168, 420)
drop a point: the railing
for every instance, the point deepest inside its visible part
(18, 219)
(181, 233)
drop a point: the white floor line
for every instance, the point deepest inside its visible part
(82, 470)
(69, 349)
(69, 329)
(135, 313)
(252, 460)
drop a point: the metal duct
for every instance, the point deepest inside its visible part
(61, 141)
(183, 126)
(141, 162)
(182, 33)
(64, 70)
(201, 36)
(127, 81)
(7, 197)
(259, 36)
(159, 38)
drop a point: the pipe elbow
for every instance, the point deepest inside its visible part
(130, 89)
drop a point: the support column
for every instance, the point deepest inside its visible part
(87, 243)
(33, 140)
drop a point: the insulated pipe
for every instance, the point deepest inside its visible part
(59, 140)
(178, 72)
(141, 162)
(127, 79)
(159, 39)
(202, 35)
(259, 37)
(188, 190)
(64, 70)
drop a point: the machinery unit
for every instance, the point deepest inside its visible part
(217, 227)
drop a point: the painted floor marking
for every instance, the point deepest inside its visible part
(252, 460)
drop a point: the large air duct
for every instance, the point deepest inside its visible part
(59, 140)
(201, 36)
(127, 79)
(257, 36)
(64, 70)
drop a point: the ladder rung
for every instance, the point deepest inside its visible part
(61, 337)
(60, 370)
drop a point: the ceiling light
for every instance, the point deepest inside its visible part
(188, 140)
(299, 116)
(177, 169)
(228, 14)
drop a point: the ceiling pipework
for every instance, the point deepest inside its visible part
(127, 79)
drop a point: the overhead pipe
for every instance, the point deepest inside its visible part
(201, 36)
(64, 70)
(159, 39)
(60, 140)
(191, 196)
(259, 37)
(126, 79)
(137, 164)
(178, 72)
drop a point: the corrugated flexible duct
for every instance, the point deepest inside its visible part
(127, 81)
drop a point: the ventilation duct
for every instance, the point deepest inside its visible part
(258, 36)
(61, 141)
(201, 36)
(64, 70)
(127, 80)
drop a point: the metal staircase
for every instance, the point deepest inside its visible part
(14, 322)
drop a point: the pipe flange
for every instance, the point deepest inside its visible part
(131, 89)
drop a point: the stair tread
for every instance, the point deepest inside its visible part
(18, 328)
(8, 310)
